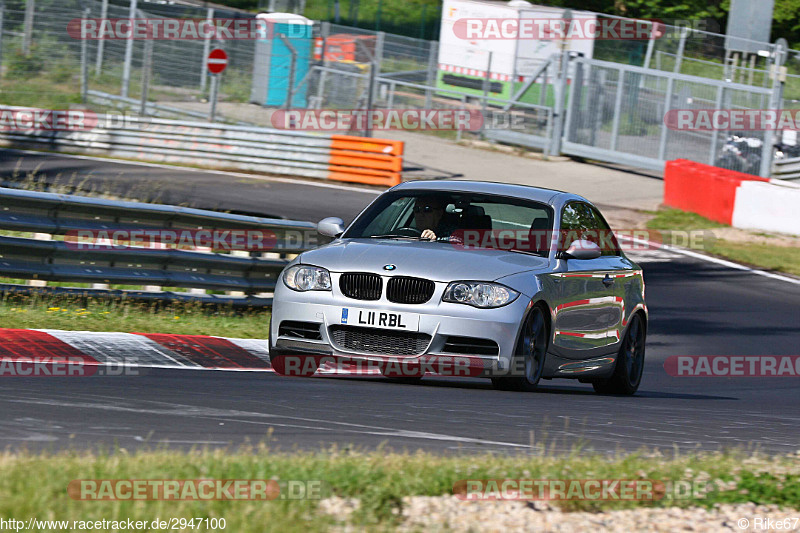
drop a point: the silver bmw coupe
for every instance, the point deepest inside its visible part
(508, 282)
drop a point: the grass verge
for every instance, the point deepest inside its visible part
(88, 314)
(765, 256)
(36, 484)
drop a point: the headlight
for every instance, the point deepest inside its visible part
(307, 278)
(479, 294)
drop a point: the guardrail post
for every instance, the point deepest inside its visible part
(238, 253)
(206, 51)
(30, 7)
(39, 282)
(98, 66)
(126, 68)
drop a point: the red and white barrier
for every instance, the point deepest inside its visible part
(734, 198)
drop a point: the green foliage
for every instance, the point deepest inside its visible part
(23, 67)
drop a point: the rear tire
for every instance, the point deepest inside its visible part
(530, 355)
(630, 362)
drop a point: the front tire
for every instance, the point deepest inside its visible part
(529, 356)
(630, 362)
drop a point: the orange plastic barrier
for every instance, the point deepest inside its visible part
(366, 160)
(703, 189)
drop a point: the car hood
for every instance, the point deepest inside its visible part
(436, 261)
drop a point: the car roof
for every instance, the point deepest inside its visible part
(537, 194)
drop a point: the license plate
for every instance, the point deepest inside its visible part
(374, 318)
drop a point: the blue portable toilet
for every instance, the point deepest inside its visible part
(273, 59)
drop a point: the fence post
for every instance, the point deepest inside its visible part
(126, 69)
(712, 156)
(292, 69)
(98, 66)
(2, 12)
(378, 56)
(147, 68)
(561, 93)
(617, 109)
(213, 97)
(85, 63)
(662, 144)
(373, 76)
(206, 51)
(543, 87)
(681, 48)
(775, 99)
(30, 6)
(487, 85)
(433, 68)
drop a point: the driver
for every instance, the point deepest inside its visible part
(429, 218)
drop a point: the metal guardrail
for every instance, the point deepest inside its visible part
(57, 260)
(786, 169)
(285, 152)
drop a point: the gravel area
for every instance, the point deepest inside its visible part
(448, 513)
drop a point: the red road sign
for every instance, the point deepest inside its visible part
(217, 61)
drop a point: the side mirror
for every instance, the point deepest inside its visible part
(581, 249)
(331, 227)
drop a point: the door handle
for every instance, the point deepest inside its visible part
(608, 281)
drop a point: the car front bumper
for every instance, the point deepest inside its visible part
(439, 320)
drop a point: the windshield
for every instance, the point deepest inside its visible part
(470, 220)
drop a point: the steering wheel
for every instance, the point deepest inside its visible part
(413, 231)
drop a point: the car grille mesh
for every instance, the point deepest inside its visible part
(404, 290)
(361, 286)
(368, 340)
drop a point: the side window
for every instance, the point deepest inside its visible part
(605, 237)
(576, 219)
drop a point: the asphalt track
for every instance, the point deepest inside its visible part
(697, 307)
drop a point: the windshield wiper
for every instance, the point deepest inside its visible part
(393, 236)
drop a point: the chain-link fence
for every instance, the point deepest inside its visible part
(612, 110)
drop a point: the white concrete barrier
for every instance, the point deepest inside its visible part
(773, 206)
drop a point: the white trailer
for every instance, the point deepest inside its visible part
(464, 62)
